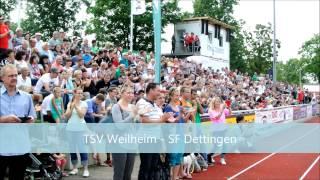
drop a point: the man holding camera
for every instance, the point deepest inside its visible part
(12, 110)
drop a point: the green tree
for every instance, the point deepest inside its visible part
(218, 9)
(238, 49)
(260, 48)
(6, 6)
(49, 16)
(289, 72)
(310, 53)
(111, 22)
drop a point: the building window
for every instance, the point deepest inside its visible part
(217, 31)
(210, 37)
(220, 41)
(228, 35)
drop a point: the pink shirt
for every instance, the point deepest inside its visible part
(213, 114)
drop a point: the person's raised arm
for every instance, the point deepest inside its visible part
(81, 110)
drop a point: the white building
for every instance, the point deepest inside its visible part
(214, 43)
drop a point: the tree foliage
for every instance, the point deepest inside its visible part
(6, 6)
(49, 16)
(260, 49)
(111, 22)
(289, 72)
(218, 9)
(310, 53)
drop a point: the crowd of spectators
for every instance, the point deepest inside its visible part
(57, 70)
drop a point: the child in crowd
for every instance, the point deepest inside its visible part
(61, 163)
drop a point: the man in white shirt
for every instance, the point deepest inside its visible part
(46, 83)
(24, 81)
(39, 42)
(46, 107)
(150, 113)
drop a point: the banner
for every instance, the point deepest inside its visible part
(274, 115)
(299, 112)
(309, 111)
(315, 109)
(138, 7)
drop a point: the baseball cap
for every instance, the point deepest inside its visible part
(38, 34)
(1, 17)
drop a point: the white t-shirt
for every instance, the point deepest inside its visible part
(46, 105)
(45, 79)
(23, 83)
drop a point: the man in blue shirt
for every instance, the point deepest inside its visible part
(95, 111)
(14, 105)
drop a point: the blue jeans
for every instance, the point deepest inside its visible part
(220, 134)
(77, 143)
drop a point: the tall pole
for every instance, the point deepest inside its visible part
(131, 27)
(274, 43)
(300, 77)
(157, 37)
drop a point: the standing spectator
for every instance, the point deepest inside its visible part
(11, 34)
(124, 112)
(4, 38)
(11, 109)
(175, 159)
(76, 127)
(62, 36)
(218, 114)
(17, 41)
(57, 107)
(150, 113)
(54, 40)
(300, 96)
(186, 103)
(39, 42)
(196, 105)
(173, 44)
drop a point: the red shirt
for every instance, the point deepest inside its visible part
(4, 41)
(115, 62)
(300, 96)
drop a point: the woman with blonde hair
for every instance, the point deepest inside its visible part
(76, 127)
(218, 113)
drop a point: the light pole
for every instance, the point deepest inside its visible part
(274, 73)
(300, 77)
